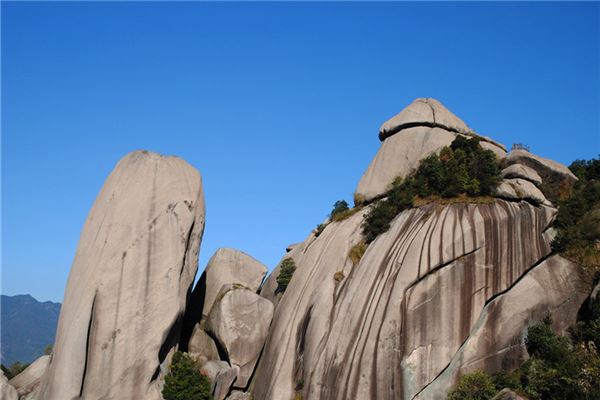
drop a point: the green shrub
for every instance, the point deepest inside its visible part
(14, 370)
(339, 207)
(475, 386)
(357, 251)
(542, 342)
(286, 272)
(184, 381)
(578, 219)
(319, 229)
(463, 169)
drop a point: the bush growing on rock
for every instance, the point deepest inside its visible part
(184, 381)
(474, 386)
(286, 272)
(578, 220)
(463, 169)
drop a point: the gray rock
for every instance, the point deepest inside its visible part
(238, 395)
(428, 278)
(522, 171)
(548, 170)
(423, 112)
(28, 380)
(520, 189)
(240, 321)
(230, 266)
(135, 263)
(202, 346)
(497, 342)
(7, 392)
(212, 369)
(223, 382)
(398, 156)
(507, 394)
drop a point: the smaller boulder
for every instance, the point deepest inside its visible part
(223, 382)
(238, 395)
(230, 266)
(523, 172)
(240, 321)
(7, 392)
(29, 379)
(201, 346)
(520, 189)
(549, 170)
(211, 369)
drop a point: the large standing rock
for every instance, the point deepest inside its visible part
(29, 380)
(126, 294)
(230, 266)
(7, 392)
(240, 321)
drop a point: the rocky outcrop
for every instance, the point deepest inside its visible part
(423, 112)
(549, 170)
(7, 392)
(437, 266)
(239, 321)
(237, 395)
(127, 290)
(223, 382)
(555, 285)
(523, 172)
(28, 380)
(421, 129)
(520, 189)
(230, 266)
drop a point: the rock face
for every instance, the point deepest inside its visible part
(520, 189)
(523, 172)
(421, 129)
(28, 380)
(446, 290)
(549, 170)
(230, 266)
(126, 294)
(201, 346)
(239, 321)
(7, 392)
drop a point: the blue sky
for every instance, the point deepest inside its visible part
(277, 104)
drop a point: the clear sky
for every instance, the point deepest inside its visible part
(277, 104)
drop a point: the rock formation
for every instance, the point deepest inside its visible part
(128, 286)
(448, 289)
(7, 392)
(28, 381)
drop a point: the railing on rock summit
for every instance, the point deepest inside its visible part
(520, 146)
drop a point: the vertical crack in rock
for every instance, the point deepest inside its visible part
(87, 344)
(300, 344)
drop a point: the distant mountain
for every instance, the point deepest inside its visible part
(27, 326)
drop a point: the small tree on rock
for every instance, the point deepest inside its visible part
(184, 381)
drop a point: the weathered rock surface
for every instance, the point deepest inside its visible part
(417, 292)
(548, 170)
(523, 172)
(497, 341)
(230, 266)
(212, 368)
(127, 290)
(423, 112)
(237, 395)
(239, 321)
(507, 394)
(421, 129)
(29, 380)
(520, 189)
(223, 382)
(7, 392)
(201, 346)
